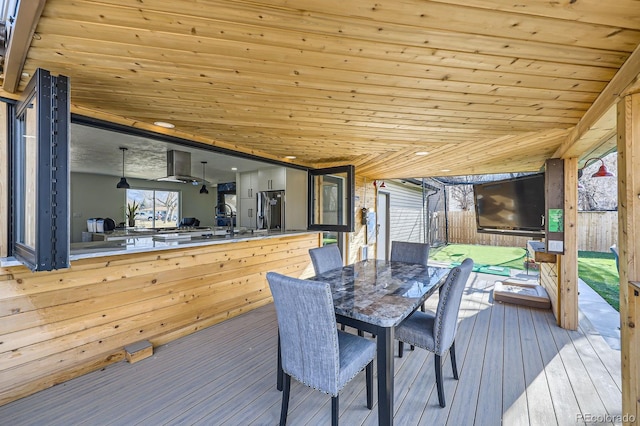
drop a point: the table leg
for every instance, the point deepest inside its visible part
(385, 361)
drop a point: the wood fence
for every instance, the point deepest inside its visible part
(597, 231)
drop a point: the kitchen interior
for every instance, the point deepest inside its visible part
(129, 189)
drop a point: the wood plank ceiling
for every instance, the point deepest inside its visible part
(483, 86)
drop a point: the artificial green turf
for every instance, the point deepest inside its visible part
(510, 257)
(599, 271)
(596, 269)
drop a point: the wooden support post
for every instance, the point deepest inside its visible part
(629, 251)
(568, 276)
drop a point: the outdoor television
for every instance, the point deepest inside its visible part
(513, 206)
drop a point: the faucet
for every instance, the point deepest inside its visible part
(228, 216)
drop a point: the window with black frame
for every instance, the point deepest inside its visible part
(39, 150)
(331, 194)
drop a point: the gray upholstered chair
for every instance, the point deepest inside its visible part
(437, 332)
(312, 350)
(614, 250)
(402, 251)
(326, 258)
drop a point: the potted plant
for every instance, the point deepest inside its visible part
(132, 208)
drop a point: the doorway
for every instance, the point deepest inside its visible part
(382, 226)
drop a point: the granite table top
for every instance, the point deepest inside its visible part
(381, 293)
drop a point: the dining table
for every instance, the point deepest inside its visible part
(375, 296)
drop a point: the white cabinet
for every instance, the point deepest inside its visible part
(247, 212)
(271, 179)
(292, 181)
(246, 190)
(248, 185)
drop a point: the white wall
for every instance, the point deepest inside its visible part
(405, 215)
(97, 196)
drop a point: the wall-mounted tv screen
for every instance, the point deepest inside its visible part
(513, 206)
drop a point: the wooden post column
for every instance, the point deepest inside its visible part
(568, 276)
(629, 249)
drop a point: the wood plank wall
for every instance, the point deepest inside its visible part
(549, 280)
(462, 230)
(366, 196)
(597, 231)
(57, 325)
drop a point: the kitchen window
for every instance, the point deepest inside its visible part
(331, 193)
(155, 208)
(39, 174)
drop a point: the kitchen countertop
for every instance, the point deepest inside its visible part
(156, 242)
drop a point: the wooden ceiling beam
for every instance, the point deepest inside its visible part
(600, 116)
(27, 18)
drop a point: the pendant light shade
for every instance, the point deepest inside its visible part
(602, 171)
(204, 189)
(123, 184)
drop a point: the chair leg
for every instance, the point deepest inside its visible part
(452, 355)
(285, 399)
(422, 308)
(369, 376)
(360, 333)
(279, 373)
(400, 348)
(438, 366)
(342, 327)
(335, 410)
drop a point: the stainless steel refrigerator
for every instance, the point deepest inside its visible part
(270, 211)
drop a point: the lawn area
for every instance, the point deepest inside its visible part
(598, 270)
(510, 257)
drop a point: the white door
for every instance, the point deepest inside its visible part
(382, 244)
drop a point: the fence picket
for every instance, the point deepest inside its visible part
(597, 231)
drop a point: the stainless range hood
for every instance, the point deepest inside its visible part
(179, 168)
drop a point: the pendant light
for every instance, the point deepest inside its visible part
(204, 189)
(602, 171)
(123, 182)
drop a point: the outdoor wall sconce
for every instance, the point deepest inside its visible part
(123, 182)
(602, 171)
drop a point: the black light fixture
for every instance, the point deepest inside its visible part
(123, 182)
(204, 189)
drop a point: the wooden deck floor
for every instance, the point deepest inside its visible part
(516, 367)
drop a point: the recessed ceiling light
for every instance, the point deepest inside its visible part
(164, 124)
(445, 170)
(234, 168)
(422, 153)
(290, 157)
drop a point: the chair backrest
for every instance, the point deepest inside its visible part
(402, 251)
(446, 321)
(326, 258)
(614, 250)
(308, 332)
